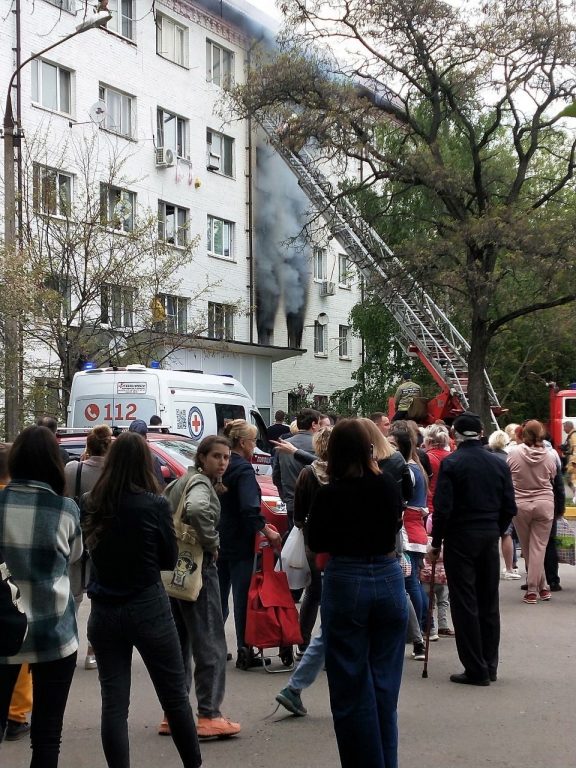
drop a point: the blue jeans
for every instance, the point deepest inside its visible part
(416, 590)
(310, 666)
(364, 620)
(235, 575)
(144, 623)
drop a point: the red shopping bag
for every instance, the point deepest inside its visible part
(272, 618)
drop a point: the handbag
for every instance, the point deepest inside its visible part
(294, 562)
(185, 581)
(405, 565)
(13, 621)
(565, 541)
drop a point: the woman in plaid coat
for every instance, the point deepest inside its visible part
(40, 536)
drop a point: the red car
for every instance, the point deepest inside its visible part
(176, 453)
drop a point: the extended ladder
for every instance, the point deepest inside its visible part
(422, 323)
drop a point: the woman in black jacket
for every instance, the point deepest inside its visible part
(130, 536)
(364, 608)
(240, 520)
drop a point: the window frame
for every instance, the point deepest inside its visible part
(177, 320)
(320, 257)
(61, 5)
(117, 305)
(103, 92)
(320, 338)
(161, 20)
(38, 82)
(107, 212)
(220, 321)
(228, 56)
(63, 287)
(39, 173)
(181, 132)
(227, 226)
(119, 18)
(344, 277)
(225, 151)
(179, 239)
(344, 352)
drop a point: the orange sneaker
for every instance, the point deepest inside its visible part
(219, 727)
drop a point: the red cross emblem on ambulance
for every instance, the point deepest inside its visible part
(195, 423)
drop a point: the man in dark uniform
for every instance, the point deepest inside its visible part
(473, 505)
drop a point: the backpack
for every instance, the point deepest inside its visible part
(13, 621)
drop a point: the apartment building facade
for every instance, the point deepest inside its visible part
(143, 97)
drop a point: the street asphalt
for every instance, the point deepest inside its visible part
(524, 720)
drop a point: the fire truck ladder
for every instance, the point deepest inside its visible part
(422, 323)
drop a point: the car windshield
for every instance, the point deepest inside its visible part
(181, 451)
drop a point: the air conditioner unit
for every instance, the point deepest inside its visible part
(164, 158)
(327, 288)
(213, 162)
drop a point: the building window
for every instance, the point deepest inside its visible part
(343, 341)
(65, 5)
(117, 208)
(344, 271)
(320, 265)
(62, 286)
(171, 40)
(175, 313)
(320, 402)
(219, 237)
(52, 191)
(171, 132)
(321, 335)
(117, 306)
(122, 17)
(220, 151)
(118, 111)
(219, 64)
(172, 223)
(220, 321)
(52, 86)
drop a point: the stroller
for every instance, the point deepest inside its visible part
(272, 618)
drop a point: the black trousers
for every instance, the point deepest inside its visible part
(51, 681)
(551, 558)
(472, 563)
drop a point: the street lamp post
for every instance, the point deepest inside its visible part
(12, 138)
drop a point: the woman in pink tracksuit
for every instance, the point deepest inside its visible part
(533, 470)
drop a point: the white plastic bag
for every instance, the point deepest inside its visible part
(294, 561)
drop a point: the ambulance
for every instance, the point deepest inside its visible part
(191, 404)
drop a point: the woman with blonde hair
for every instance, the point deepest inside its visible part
(533, 470)
(241, 519)
(389, 460)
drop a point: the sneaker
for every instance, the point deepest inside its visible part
(419, 652)
(292, 702)
(15, 731)
(530, 598)
(164, 728)
(555, 588)
(219, 727)
(515, 570)
(434, 636)
(511, 575)
(90, 661)
(299, 654)
(545, 594)
(524, 587)
(447, 632)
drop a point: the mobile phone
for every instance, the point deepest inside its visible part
(372, 451)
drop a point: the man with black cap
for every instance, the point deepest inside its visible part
(473, 505)
(404, 396)
(140, 426)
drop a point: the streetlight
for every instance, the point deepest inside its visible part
(12, 137)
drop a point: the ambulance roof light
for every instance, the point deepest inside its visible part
(155, 364)
(88, 366)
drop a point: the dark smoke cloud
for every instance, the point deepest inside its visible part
(282, 258)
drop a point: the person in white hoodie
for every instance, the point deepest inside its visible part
(533, 470)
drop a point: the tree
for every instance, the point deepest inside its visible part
(93, 277)
(453, 113)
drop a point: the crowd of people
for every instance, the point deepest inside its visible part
(436, 503)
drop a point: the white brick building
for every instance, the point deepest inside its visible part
(159, 68)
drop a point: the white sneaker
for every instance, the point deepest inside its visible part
(434, 635)
(509, 575)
